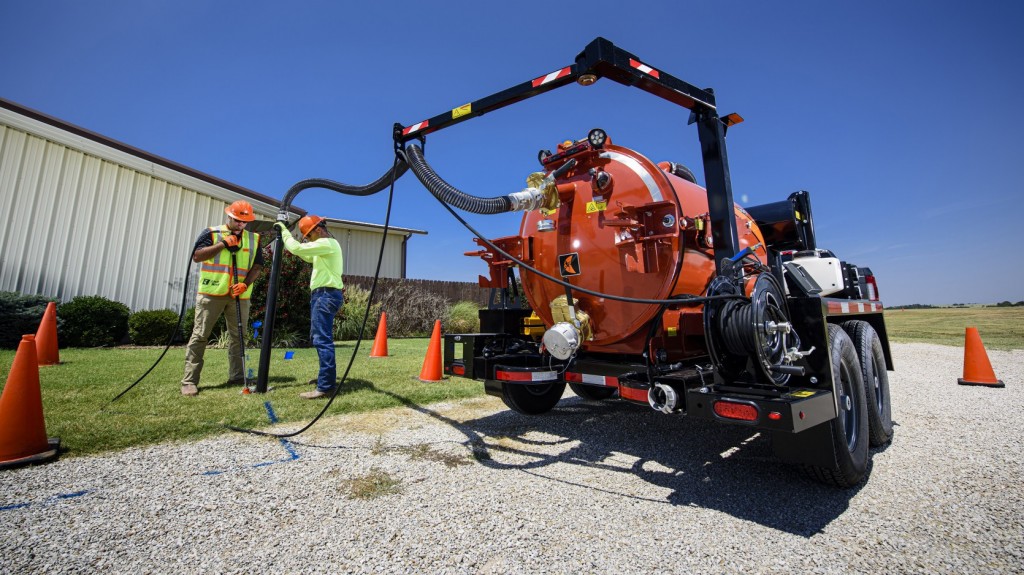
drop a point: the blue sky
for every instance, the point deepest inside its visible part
(903, 119)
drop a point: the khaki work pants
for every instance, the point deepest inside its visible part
(208, 309)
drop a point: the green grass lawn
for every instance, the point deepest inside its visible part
(77, 393)
(999, 327)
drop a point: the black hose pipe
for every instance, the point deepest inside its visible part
(397, 170)
(448, 193)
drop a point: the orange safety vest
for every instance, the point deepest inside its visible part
(215, 274)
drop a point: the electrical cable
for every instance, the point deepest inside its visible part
(181, 318)
(395, 173)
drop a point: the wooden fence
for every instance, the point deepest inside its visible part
(454, 292)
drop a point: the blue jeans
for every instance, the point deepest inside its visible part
(323, 306)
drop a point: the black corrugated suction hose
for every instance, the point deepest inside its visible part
(448, 193)
(381, 183)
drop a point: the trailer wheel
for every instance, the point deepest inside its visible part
(849, 431)
(592, 392)
(532, 399)
(876, 380)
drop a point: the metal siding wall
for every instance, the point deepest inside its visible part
(81, 225)
(361, 248)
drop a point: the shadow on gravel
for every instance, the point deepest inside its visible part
(726, 468)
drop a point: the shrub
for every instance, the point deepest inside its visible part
(292, 296)
(92, 321)
(153, 327)
(20, 315)
(287, 338)
(411, 311)
(348, 322)
(463, 317)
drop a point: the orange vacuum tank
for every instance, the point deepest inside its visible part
(624, 226)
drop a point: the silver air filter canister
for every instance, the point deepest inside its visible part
(562, 340)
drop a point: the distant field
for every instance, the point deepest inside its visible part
(999, 327)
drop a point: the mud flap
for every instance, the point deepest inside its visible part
(810, 447)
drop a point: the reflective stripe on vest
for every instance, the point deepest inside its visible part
(215, 274)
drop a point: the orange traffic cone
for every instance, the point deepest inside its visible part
(977, 368)
(380, 341)
(46, 337)
(432, 363)
(22, 431)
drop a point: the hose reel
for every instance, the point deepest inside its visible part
(740, 332)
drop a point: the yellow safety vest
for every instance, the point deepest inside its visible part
(216, 275)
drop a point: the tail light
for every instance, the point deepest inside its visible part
(734, 410)
(872, 288)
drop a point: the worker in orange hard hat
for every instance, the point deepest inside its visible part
(230, 261)
(326, 298)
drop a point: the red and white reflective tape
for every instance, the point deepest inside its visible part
(644, 68)
(843, 307)
(415, 127)
(592, 379)
(526, 375)
(552, 76)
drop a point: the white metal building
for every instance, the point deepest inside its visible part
(360, 244)
(66, 195)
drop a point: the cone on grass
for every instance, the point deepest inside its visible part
(977, 368)
(380, 341)
(432, 362)
(46, 337)
(22, 430)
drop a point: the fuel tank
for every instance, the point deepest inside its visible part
(628, 227)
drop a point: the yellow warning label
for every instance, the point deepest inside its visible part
(462, 111)
(596, 207)
(802, 393)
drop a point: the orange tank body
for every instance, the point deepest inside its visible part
(632, 229)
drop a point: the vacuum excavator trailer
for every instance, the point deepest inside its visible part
(628, 281)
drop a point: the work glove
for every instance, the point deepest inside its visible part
(238, 289)
(231, 243)
(280, 227)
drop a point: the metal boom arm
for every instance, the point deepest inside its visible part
(602, 59)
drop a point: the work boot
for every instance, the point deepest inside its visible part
(189, 390)
(240, 382)
(315, 394)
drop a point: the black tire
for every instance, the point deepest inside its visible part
(532, 399)
(849, 430)
(876, 380)
(592, 392)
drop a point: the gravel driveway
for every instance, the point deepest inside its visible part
(589, 488)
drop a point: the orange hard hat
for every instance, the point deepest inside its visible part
(307, 223)
(241, 211)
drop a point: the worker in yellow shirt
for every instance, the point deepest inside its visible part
(323, 251)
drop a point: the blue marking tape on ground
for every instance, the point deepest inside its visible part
(270, 412)
(290, 449)
(292, 453)
(49, 501)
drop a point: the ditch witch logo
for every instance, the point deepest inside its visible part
(569, 264)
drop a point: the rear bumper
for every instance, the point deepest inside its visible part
(792, 412)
